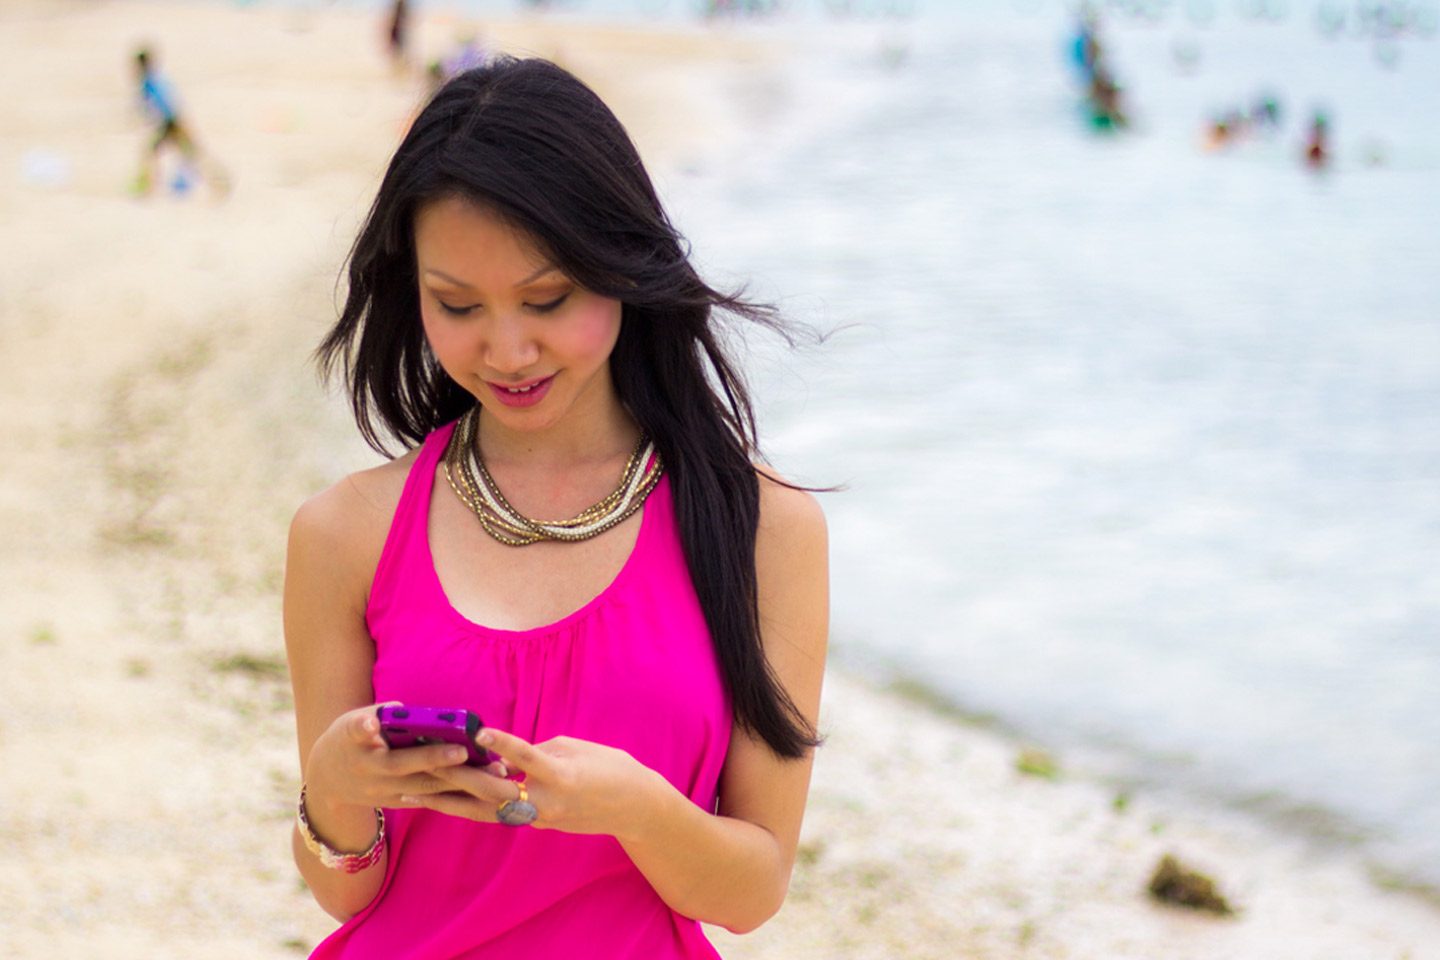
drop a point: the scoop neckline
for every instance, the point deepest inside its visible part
(580, 613)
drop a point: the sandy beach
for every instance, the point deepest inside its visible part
(163, 422)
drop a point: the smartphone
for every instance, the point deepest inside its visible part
(407, 726)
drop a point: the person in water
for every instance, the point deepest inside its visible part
(1317, 143)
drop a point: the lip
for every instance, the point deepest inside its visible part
(539, 386)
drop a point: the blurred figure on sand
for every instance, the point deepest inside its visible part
(398, 35)
(158, 100)
(469, 53)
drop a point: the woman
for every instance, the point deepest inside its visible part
(522, 314)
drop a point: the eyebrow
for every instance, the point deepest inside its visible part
(547, 269)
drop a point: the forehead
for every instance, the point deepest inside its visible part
(458, 233)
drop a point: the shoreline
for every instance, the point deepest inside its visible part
(1068, 852)
(1327, 832)
(167, 425)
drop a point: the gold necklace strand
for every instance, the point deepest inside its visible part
(491, 523)
(464, 489)
(577, 527)
(503, 506)
(507, 525)
(488, 501)
(517, 530)
(479, 510)
(497, 502)
(590, 524)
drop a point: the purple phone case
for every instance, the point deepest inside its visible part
(408, 726)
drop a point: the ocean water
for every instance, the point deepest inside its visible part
(1140, 441)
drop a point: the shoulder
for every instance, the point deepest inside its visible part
(792, 565)
(349, 520)
(788, 516)
(792, 584)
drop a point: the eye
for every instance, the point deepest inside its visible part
(550, 305)
(455, 311)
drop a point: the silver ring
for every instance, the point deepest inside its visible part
(519, 812)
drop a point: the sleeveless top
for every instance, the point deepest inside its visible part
(633, 668)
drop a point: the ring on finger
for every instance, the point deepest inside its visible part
(518, 812)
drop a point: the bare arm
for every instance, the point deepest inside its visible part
(335, 543)
(331, 656)
(734, 869)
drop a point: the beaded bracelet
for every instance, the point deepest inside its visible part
(332, 858)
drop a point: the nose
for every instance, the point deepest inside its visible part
(510, 346)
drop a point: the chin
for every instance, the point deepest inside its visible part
(522, 419)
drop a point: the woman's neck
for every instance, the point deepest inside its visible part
(583, 438)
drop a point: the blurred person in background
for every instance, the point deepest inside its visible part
(397, 37)
(1107, 111)
(469, 52)
(523, 316)
(158, 101)
(1317, 143)
(1085, 44)
(1102, 100)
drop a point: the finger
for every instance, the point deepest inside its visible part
(410, 760)
(364, 727)
(454, 804)
(515, 753)
(419, 784)
(478, 784)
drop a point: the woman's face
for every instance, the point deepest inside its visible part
(529, 343)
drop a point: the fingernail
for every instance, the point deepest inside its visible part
(455, 755)
(486, 737)
(406, 799)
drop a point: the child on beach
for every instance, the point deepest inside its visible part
(522, 315)
(158, 100)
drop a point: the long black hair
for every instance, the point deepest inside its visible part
(529, 141)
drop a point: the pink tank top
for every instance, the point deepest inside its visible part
(633, 668)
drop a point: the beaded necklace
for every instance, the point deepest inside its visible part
(472, 483)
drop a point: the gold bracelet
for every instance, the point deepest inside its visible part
(332, 858)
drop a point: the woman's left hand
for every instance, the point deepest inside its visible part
(576, 785)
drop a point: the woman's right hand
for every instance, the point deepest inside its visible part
(351, 765)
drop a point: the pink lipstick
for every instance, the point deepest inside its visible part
(524, 394)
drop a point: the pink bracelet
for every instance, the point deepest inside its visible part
(332, 858)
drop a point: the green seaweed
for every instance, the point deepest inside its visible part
(1035, 762)
(1174, 883)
